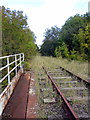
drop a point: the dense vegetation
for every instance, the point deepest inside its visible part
(16, 35)
(71, 41)
(50, 41)
(16, 38)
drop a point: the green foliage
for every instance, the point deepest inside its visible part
(75, 34)
(78, 41)
(72, 25)
(26, 65)
(74, 55)
(81, 42)
(50, 41)
(52, 33)
(71, 41)
(62, 51)
(87, 39)
(16, 35)
(48, 48)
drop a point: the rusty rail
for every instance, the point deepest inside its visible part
(70, 112)
(78, 78)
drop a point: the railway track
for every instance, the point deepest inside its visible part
(68, 90)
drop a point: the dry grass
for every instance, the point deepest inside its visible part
(77, 67)
(50, 63)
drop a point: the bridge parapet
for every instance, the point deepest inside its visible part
(18, 69)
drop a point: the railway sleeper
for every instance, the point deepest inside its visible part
(68, 82)
(84, 117)
(85, 99)
(45, 89)
(55, 73)
(65, 77)
(49, 100)
(74, 88)
(75, 93)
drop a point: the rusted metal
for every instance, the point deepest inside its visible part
(5, 95)
(78, 78)
(32, 100)
(71, 114)
(17, 104)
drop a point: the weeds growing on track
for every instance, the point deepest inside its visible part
(50, 63)
(77, 67)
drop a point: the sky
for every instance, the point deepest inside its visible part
(43, 14)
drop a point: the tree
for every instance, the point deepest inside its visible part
(16, 35)
(71, 26)
(87, 40)
(71, 41)
(52, 34)
(75, 35)
(48, 48)
(50, 41)
(79, 41)
(62, 50)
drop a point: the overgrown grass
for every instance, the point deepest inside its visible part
(77, 67)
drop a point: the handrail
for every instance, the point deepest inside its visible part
(20, 59)
(9, 64)
(10, 56)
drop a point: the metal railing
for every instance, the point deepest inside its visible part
(18, 59)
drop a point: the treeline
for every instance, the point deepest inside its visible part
(72, 41)
(16, 34)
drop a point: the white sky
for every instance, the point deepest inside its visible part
(44, 14)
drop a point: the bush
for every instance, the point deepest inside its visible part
(26, 65)
(62, 50)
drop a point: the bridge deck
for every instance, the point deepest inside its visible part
(17, 105)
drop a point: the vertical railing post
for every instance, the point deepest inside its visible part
(23, 56)
(20, 61)
(16, 64)
(8, 70)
